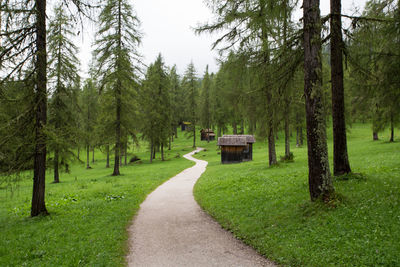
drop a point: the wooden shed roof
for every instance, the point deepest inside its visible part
(232, 141)
(207, 131)
(249, 138)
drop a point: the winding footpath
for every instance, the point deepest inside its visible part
(171, 229)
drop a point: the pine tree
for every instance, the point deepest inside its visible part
(156, 107)
(62, 77)
(118, 38)
(191, 89)
(206, 118)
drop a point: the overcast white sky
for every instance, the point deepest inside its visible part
(167, 28)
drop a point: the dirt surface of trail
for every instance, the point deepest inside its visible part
(171, 229)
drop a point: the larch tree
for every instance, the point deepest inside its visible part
(251, 26)
(341, 163)
(206, 118)
(190, 86)
(116, 52)
(63, 76)
(320, 183)
(155, 97)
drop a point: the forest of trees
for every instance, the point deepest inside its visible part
(274, 75)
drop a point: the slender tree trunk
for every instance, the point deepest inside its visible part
(108, 156)
(219, 132)
(375, 136)
(194, 135)
(234, 126)
(341, 163)
(151, 151)
(118, 96)
(162, 151)
(126, 153)
(176, 132)
(320, 183)
(56, 172)
(93, 155)
(79, 152)
(271, 145)
(391, 128)
(154, 151)
(87, 156)
(297, 136)
(287, 136)
(301, 136)
(170, 141)
(39, 173)
(121, 157)
(242, 127)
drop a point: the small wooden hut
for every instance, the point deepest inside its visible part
(207, 134)
(185, 125)
(236, 148)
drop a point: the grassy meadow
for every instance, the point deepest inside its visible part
(269, 207)
(89, 211)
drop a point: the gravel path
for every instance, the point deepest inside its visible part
(171, 229)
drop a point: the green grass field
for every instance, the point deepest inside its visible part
(269, 208)
(89, 212)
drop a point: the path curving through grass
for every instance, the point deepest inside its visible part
(171, 229)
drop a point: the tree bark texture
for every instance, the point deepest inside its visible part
(93, 155)
(341, 163)
(320, 183)
(39, 173)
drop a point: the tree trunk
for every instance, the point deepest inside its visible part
(170, 141)
(219, 132)
(176, 132)
(375, 136)
(151, 151)
(108, 156)
(39, 173)
(271, 145)
(319, 177)
(234, 126)
(194, 135)
(341, 163)
(87, 156)
(391, 128)
(301, 136)
(126, 153)
(56, 172)
(78, 153)
(93, 155)
(242, 127)
(287, 133)
(162, 151)
(297, 136)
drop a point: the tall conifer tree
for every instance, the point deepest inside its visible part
(118, 38)
(63, 76)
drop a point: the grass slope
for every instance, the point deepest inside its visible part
(89, 213)
(269, 208)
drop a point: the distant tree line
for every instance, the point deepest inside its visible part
(274, 75)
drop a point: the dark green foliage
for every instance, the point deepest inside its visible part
(191, 90)
(64, 85)
(117, 63)
(156, 106)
